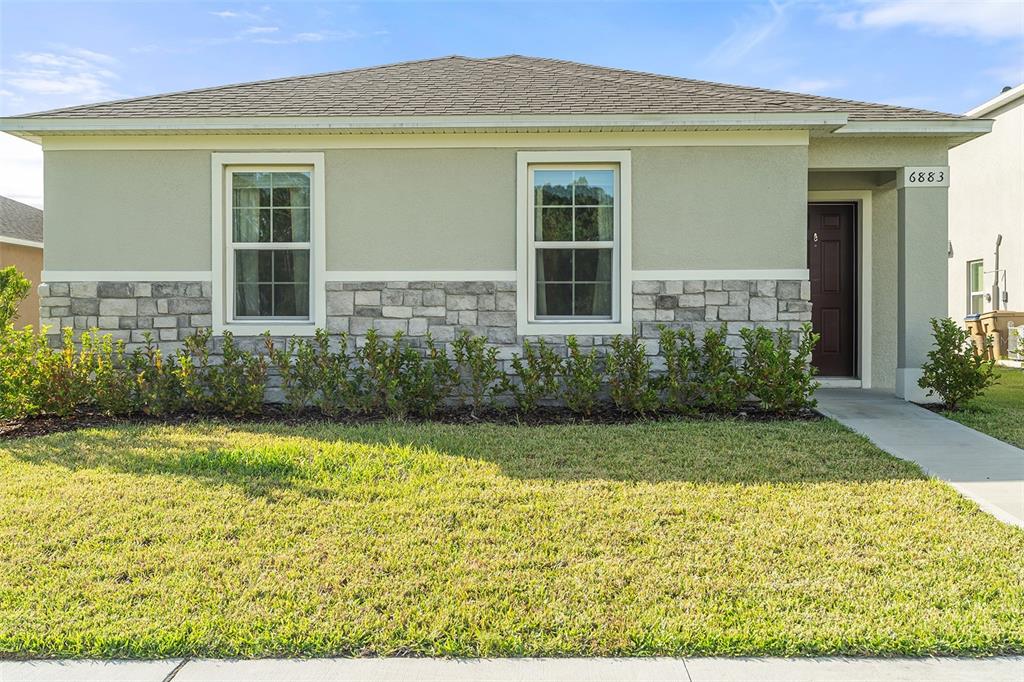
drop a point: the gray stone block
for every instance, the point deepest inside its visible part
(461, 302)
(732, 312)
(118, 306)
(788, 289)
(402, 311)
(496, 319)
(764, 308)
(646, 287)
(368, 297)
(434, 297)
(644, 301)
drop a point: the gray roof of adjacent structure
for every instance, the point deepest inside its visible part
(20, 221)
(508, 85)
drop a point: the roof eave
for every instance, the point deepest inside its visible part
(36, 127)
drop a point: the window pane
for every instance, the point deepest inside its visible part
(291, 189)
(593, 265)
(291, 300)
(291, 225)
(595, 187)
(554, 224)
(977, 276)
(249, 198)
(253, 300)
(552, 188)
(593, 299)
(251, 225)
(977, 304)
(291, 266)
(253, 266)
(554, 299)
(554, 265)
(595, 224)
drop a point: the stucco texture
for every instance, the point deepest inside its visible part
(127, 210)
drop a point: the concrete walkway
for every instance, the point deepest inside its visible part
(986, 470)
(1002, 669)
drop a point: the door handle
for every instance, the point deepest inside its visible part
(815, 237)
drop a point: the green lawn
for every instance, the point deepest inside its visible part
(663, 538)
(1000, 412)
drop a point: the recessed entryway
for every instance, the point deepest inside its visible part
(832, 263)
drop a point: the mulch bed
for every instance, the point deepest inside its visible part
(273, 414)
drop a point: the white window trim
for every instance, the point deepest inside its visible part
(970, 289)
(622, 307)
(220, 224)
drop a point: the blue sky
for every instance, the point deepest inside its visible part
(932, 54)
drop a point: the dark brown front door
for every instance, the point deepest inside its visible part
(832, 260)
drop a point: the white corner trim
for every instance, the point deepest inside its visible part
(126, 275)
(420, 275)
(622, 308)
(219, 163)
(908, 388)
(864, 266)
(14, 241)
(725, 273)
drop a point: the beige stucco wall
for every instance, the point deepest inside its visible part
(430, 209)
(127, 210)
(986, 198)
(29, 262)
(869, 153)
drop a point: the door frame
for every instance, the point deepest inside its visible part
(862, 291)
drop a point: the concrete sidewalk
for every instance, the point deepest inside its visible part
(1002, 669)
(980, 467)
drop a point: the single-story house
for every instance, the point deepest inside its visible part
(511, 196)
(21, 245)
(986, 212)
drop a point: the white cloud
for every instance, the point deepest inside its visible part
(748, 34)
(978, 18)
(814, 86)
(21, 172)
(230, 14)
(313, 37)
(73, 73)
(260, 29)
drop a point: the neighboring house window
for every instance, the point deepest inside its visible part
(573, 224)
(975, 287)
(271, 239)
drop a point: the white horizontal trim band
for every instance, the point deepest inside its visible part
(14, 241)
(796, 273)
(405, 275)
(127, 276)
(420, 275)
(938, 128)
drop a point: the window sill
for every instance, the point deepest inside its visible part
(258, 328)
(580, 328)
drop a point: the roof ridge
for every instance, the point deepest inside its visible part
(532, 64)
(265, 81)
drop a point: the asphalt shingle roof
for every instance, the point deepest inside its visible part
(507, 85)
(20, 221)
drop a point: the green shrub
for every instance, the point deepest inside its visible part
(113, 385)
(720, 387)
(340, 378)
(381, 364)
(299, 369)
(66, 374)
(13, 290)
(22, 352)
(581, 382)
(158, 384)
(630, 383)
(956, 369)
(478, 366)
(682, 359)
(238, 384)
(778, 375)
(426, 381)
(536, 375)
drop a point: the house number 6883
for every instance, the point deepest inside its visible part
(924, 176)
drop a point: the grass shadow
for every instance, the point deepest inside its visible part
(314, 459)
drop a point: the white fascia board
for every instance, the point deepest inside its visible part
(35, 126)
(999, 100)
(952, 127)
(21, 242)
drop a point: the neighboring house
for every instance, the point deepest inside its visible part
(510, 196)
(986, 201)
(21, 245)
